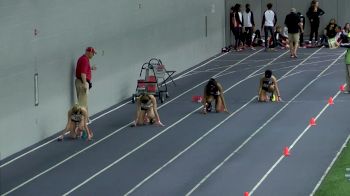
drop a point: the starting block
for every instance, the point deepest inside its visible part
(197, 98)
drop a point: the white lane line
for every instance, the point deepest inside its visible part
(252, 135)
(202, 137)
(250, 65)
(305, 130)
(186, 149)
(148, 141)
(330, 166)
(114, 132)
(104, 114)
(129, 153)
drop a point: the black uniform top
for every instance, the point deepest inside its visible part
(314, 16)
(76, 117)
(266, 83)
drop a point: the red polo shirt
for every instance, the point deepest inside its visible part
(83, 66)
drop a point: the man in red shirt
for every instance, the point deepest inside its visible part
(83, 76)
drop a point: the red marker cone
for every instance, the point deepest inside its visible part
(246, 193)
(286, 151)
(342, 87)
(312, 121)
(330, 101)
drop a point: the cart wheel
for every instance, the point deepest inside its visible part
(133, 98)
(167, 95)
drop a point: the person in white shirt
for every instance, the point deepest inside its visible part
(268, 23)
(248, 23)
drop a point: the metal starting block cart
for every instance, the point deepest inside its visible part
(153, 80)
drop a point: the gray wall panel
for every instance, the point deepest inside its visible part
(125, 33)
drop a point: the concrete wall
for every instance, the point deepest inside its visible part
(337, 9)
(47, 37)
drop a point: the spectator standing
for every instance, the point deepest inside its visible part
(314, 13)
(237, 24)
(294, 25)
(83, 77)
(268, 23)
(302, 19)
(248, 23)
(231, 26)
(346, 29)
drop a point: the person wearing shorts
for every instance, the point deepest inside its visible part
(77, 123)
(213, 91)
(268, 85)
(146, 111)
(294, 25)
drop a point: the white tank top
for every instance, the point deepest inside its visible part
(269, 18)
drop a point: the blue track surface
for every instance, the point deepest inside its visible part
(213, 154)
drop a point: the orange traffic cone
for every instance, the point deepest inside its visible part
(342, 87)
(286, 151)
(330, 101)
(312, 121)
(246, 193)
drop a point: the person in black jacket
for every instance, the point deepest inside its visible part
(314, 13)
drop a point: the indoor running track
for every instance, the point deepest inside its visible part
(196, 154)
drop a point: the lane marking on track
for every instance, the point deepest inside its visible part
(251, 136)
(305, 130)
(114, 132)
(190, 146)
(104, 114)
(126, 155)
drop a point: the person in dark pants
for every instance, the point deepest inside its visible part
(268, 23)
(231, 26)
(301, 39)
(248, 24)
(314, 13)
(237, 25)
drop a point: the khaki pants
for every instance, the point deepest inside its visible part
(293, 39)
(82, 93)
